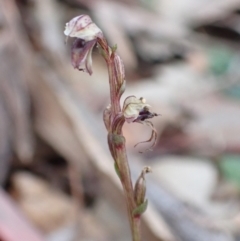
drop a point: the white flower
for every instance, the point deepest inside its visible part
(132, 107)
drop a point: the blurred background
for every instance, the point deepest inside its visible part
(56, 174)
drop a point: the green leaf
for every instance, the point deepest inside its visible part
(114, 48)
(116, 169)
(140, 209)
(102, 51)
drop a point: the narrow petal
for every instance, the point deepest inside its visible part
(152, 137)
(88, 62)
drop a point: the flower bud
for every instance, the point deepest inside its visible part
(140, 187)
(119, 68)
(107, 117)
(122, 89)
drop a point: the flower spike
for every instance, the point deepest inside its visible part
(134, 110)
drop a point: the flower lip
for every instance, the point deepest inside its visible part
(145, 114)
(82, 55)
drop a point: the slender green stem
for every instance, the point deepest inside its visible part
(116, 108)
(121, 157)
(136, 229)
(126, 182)
(120, 154)
(134, 223)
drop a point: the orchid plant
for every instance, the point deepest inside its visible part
(134, 110)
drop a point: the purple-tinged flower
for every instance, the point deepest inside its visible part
(133, 108)
(87, 33)
(136, 110)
